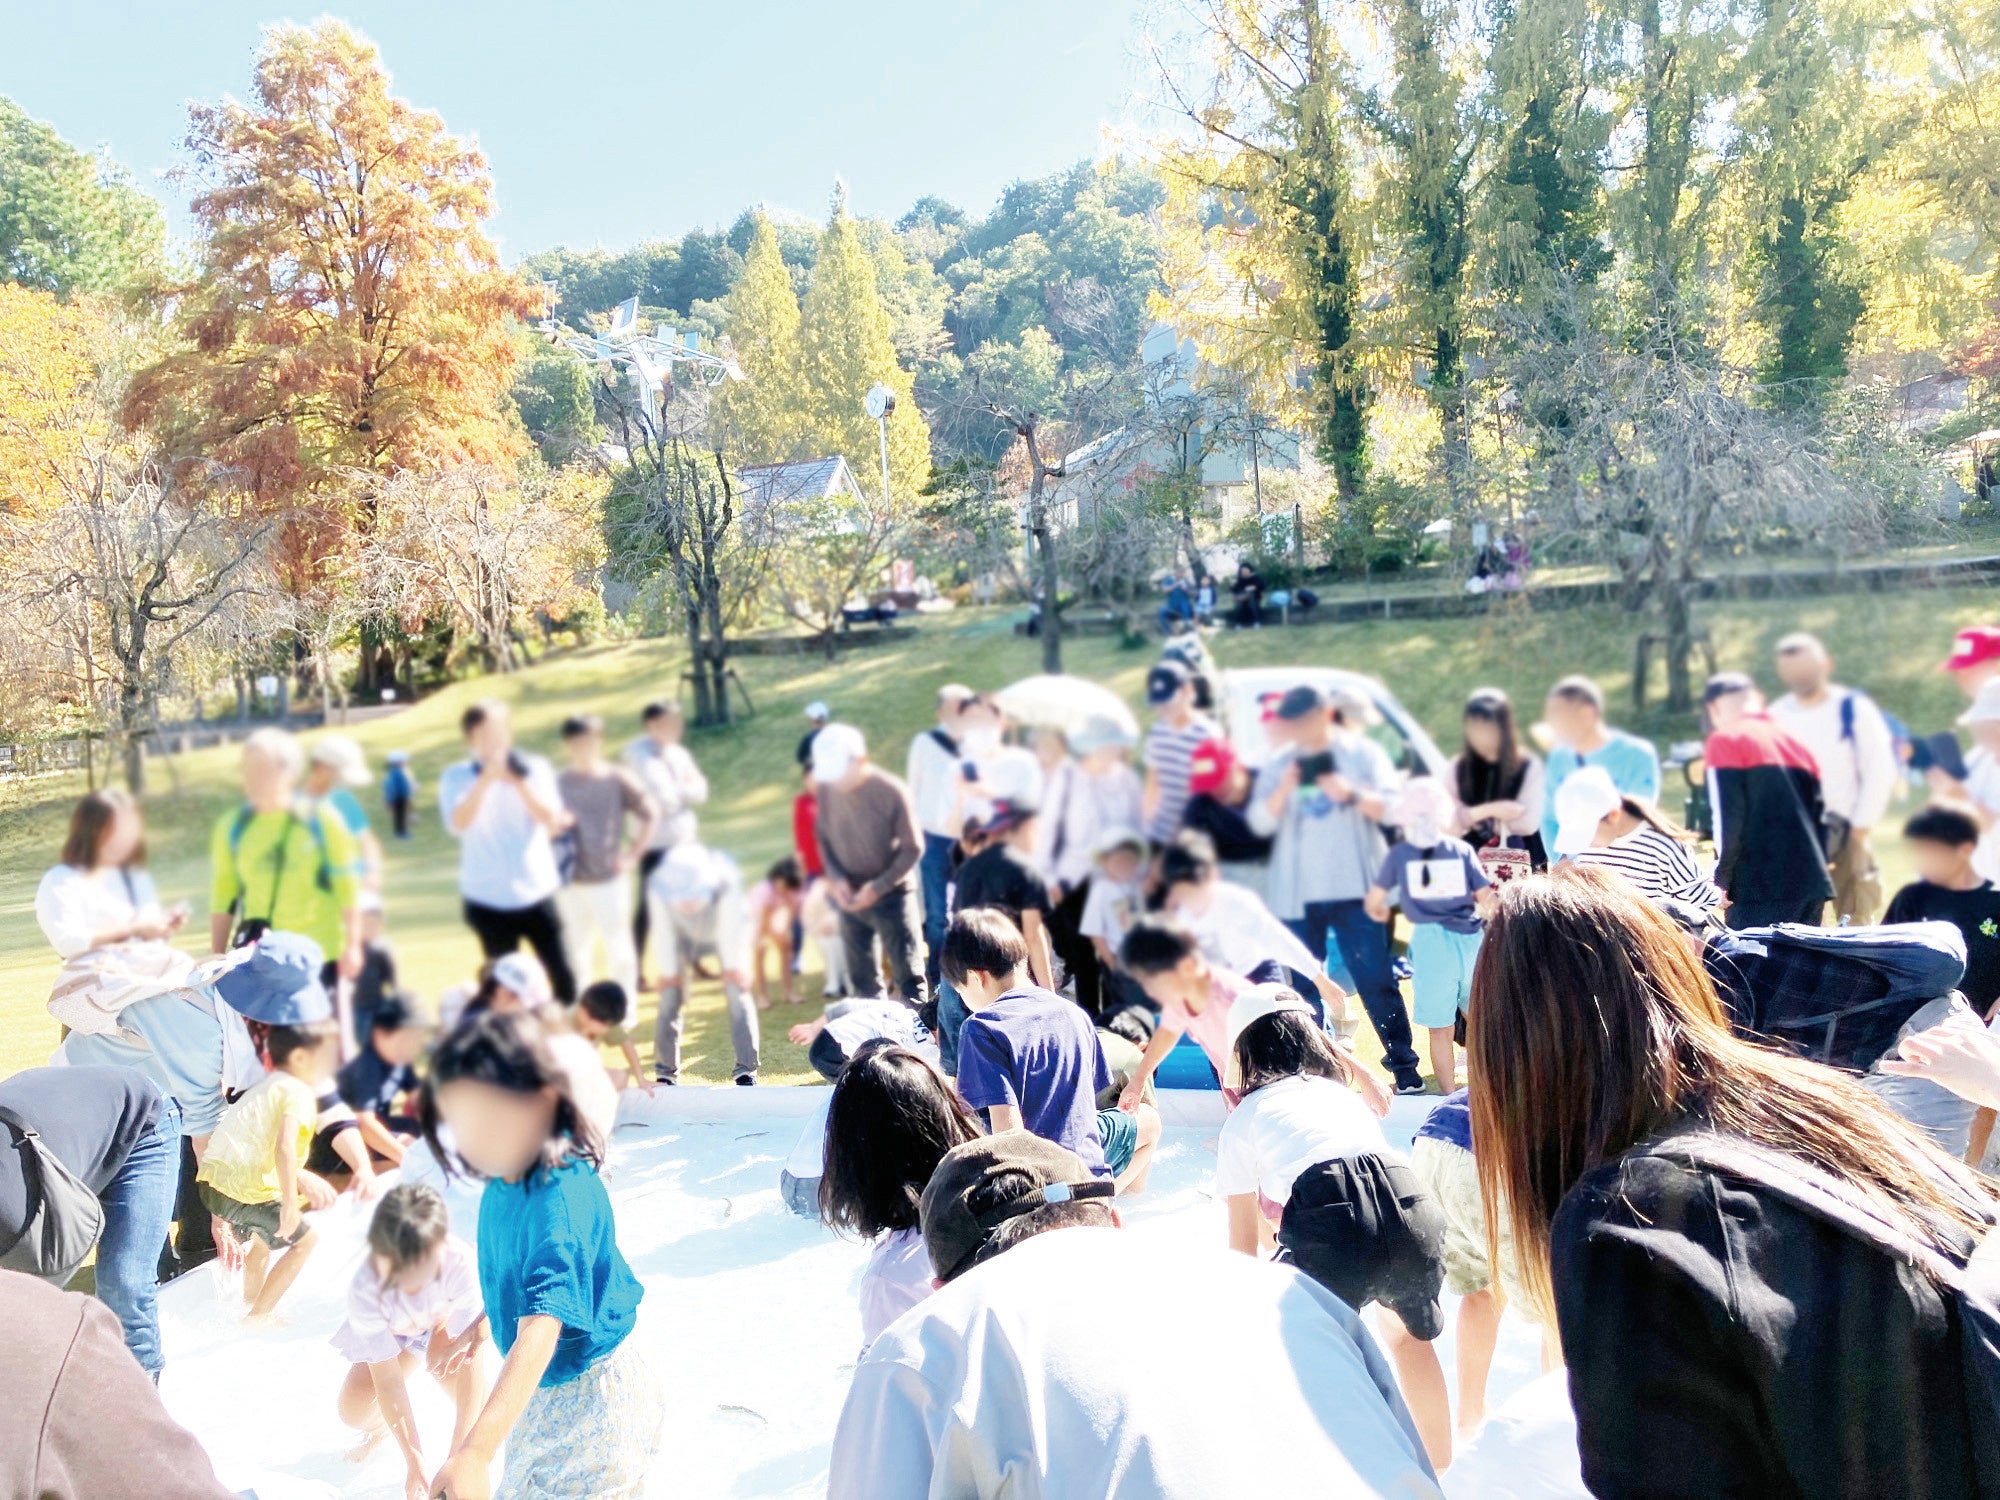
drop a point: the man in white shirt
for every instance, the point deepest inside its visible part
(1020, 1377)
(933, 772)
(675, 783)
(1856, 754)
(504, 808)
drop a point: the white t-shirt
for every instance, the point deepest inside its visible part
(589, 1085)
(1110, 908)
(932, 772)
(1240, 932)
(73, 905)
(897, 1278)
(1982, 785)
(1857, 772)
(1282, 1129)
(383, 1321)
(1023, 1379)
(505, 859)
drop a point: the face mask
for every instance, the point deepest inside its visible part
(982, 740)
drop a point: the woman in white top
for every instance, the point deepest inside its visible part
(1084, 798)
(1596, 824)
(100, 893)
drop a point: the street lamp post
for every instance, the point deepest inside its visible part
(880, 402)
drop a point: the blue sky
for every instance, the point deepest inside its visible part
(612, 123)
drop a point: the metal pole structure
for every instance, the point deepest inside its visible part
(883, 427)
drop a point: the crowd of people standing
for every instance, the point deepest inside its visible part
(1018, 933)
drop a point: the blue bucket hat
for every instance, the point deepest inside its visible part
(279, 983)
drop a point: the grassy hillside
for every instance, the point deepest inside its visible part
(1887, 644)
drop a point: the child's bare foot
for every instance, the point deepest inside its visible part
(363, 1450)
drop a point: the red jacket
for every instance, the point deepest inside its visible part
(805, 834)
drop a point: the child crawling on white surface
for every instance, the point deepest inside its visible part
(414, 1304)
(892, 1119)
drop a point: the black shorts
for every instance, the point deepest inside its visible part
(1364, 1229)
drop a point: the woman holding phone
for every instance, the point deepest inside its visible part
(100, 892)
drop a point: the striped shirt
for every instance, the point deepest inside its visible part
(1168, 753)
(1655, 864)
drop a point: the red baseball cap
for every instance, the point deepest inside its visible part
(1974, 647)
(1209, 767)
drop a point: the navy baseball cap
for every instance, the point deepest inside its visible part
(278, 983)
(1166, 679)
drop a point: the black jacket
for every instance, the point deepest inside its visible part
(1723, 1342)
(1769, 819)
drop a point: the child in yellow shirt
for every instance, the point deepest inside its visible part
(253, 1175)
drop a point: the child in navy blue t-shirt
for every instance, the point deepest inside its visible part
(1031, 1059)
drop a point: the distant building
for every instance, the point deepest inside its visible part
(808, 482)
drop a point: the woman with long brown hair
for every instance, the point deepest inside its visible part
(1661, 1177)
(98, 892)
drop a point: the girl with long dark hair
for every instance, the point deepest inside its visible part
(891, 1120)
(1496, 783)
(1727, 1331)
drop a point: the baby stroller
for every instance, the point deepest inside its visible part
(1846, 997)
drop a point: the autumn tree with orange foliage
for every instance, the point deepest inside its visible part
(349, 318)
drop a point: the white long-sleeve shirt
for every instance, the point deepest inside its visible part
(932, 772)
(1022, 1379)
(74, 905)
(674, 782)
(1857, 772)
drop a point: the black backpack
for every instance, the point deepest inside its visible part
(64, 1215)
(1973, 1289)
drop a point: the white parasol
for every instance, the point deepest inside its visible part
(1066, 704)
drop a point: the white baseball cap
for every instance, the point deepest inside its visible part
(524, 975)
(835, 749)
(1586, 798)
(1255, 1003)
(818, 712)
(343, 757)
(1985, 707)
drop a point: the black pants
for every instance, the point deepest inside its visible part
(1743, 914)
(502, 931)
(194, 1237)
(399, 816)
(1364, 1229)
(642, 924)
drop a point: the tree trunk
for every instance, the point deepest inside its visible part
(131, 716)
(1051, 574)
(1679, 611)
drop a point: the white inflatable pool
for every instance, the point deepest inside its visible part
(749, 1314)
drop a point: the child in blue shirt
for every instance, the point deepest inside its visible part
(1444, 893)
(1031, 1059)
(576, 1402)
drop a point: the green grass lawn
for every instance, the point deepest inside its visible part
(1888, 644)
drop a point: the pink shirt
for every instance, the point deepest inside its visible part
(1210, 1025)
(383, 1321)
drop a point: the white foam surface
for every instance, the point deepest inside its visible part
(749, 1315)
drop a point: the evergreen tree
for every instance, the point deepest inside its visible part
(848, 350)
(764, 416)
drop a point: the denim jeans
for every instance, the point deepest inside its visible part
(952, 1012)
(936, 872)
(138, 1207)
(1364, 949)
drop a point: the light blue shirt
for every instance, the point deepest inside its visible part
(182, 1055)
(1632, 763)
(505, 859)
